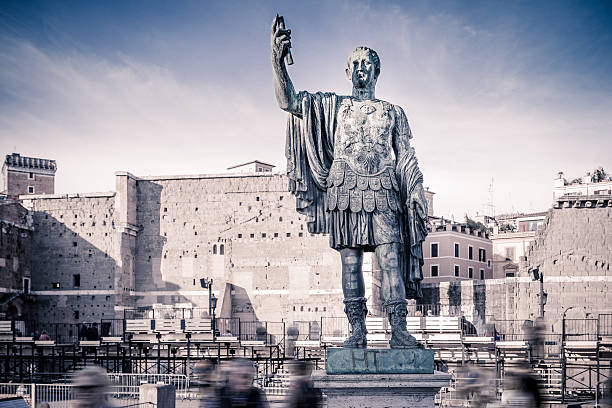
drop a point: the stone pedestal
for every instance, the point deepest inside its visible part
(380, 390)
(377, 378)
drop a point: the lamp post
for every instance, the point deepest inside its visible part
(207, 283)
(213, 302)
(563, 364)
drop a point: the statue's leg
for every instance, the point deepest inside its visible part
(353, 288)
(394, 295)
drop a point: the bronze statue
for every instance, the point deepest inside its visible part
(356, 178)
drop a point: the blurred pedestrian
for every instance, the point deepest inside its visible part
(204, 376)
(238, 390)
(44, 336)
(303, 394)
(91, 386)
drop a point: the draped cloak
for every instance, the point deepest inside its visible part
(309, 152)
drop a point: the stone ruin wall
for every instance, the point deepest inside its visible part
(243, 232)
(153, 239)
(573, 251)
(73, 234)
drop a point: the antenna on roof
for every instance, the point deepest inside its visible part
(490, 207)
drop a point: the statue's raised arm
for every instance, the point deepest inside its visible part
(280, 42)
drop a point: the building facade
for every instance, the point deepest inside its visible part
(27, 175)
(597, 183)
(455, 252)
(511, 237)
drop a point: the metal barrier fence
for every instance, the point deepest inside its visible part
(127, 385)
(580, 329)
(335, 327)
(123, 387)
(434, 309)
(112, 327)
(308, 330)
(605, 324)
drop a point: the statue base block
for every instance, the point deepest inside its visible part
(380, 390)
(379, 361)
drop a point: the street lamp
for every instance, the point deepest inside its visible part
(538, 276)
(207, 283)
(213, 302)
(563, 363)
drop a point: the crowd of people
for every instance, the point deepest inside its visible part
(230, 384)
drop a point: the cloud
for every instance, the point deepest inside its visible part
(483, 102)
(95, 117)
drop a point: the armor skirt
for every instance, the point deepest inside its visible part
(364, 230)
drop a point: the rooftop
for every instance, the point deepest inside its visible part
(16, 160)
(251, 162)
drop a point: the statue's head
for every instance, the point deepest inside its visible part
(363, 67)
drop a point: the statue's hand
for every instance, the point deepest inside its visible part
(418, 202)
(280, 40)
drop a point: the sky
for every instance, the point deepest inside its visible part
(500, 96)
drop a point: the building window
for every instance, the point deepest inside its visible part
(456, 270)
(221, 249)
(55, 285)
(31, 176)
(288, 235)
(251, 235)
(488, 263)
(263, 235)
(434, 250)
(456, 250)
(26, 286)
(239, 235)
(510, 254)
(482, 255)
(482, 274)
(30, 189)
(76, 314)
(215, 249)
(434, 271)
(471, 272)
(76, 280)
(470, 252)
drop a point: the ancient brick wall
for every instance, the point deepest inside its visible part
(15, 251)
(17, 183)
(244, 233)
(73, 265)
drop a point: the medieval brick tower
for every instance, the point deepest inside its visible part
(28, 175)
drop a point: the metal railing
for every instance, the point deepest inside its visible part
(580, 329)
(127, 385)
(605, 324)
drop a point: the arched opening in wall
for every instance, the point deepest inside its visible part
(215, 249)
(221, 249)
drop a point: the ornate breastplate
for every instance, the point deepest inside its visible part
(363, 136)
(362, 176)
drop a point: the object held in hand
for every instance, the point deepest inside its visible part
(281, 24)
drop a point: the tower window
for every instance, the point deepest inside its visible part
(31, 176)
(456, 270)
(30, 189)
